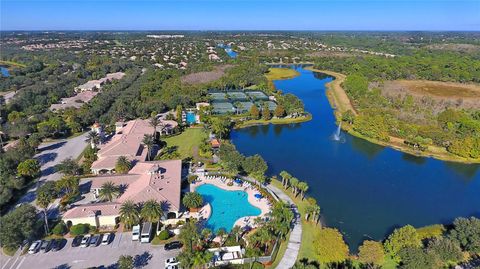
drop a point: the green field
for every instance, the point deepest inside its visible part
(281, 73)
(187, 142)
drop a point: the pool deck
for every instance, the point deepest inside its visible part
(262, 204)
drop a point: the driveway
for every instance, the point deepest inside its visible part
(50, 154)
(145, 256)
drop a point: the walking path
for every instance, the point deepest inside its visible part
(293, 247)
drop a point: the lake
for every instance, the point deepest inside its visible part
(363, 189)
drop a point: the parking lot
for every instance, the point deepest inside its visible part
(145, 255)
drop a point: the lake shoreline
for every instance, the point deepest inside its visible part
(336, 97)
(274, 121)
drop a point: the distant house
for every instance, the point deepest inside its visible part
(157, 180)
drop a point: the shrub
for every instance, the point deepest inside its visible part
(164, 235)
(79, 229)
(60, 228)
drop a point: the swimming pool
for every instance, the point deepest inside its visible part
(227, 206)
(190, 118)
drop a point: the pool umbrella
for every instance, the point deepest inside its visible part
(258, 196)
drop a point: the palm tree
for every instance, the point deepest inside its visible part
(303, 187)
(316, 213)
(46, 194)
(285, 177)
(206, 234)
(202, 258)
(129, 214)
(109, 191)
(148, 142)
(154, 122)
(94, 138)
(236, 231)
(294, 184)
(68, 184)
(152, 212)
(263, 237)
(123, 165)
(192, 200)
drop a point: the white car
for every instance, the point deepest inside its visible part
(35, 247)
(171, 262)
(106, 238)
(136, 232)
(85, 241)
(172, 267)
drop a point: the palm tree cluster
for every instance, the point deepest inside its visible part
(277, 226)
(131, 214)
(312, 211)
(297, 186)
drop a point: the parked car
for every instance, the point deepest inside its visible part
(85, 241)
(35, 247)
(136, 232)
(107, 238)
(95, 240)
(46, 245)
(77, 241)
(172, 267)
(173, 245)
(58, 244)
(171, 261)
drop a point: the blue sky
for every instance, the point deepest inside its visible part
(239, 15)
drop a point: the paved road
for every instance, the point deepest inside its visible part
(51, 154)
(145, 256)
(293, 247)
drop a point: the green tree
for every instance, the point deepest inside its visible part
(17, 226)
(230, 158)
(254, 112)
(294, 184)
(416, 258)
(152, 211)
(221, 126)
(255, 166)
(448, 251)
(330, 247)
(189, 236)
(46, 194)
(178, 113)
(109, 191)
(129, 214)
(60, 228)
(279, 111)
(94, 138)
(68, 167)
(154, 122)
(285, 178)
(123, 165)
(29, 168)
(125, 262)
(148, 141)
(201, 258)
(348, 117)
(371, 253)
(303, 187)
(266, 114)
(192, 200)
(466, 233)
(403, 237)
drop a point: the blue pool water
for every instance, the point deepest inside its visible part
(190, 118)
(227, 206)
(4, 71)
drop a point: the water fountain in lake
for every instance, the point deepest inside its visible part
(337, 135)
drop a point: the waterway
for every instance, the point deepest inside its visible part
(363, 189)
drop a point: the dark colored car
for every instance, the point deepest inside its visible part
(95, 240)
(77, 241)
(173, 245)
(46, 245)
(58, 244)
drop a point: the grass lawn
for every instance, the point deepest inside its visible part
(309, 229)
(281, 73)
(187, 141)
